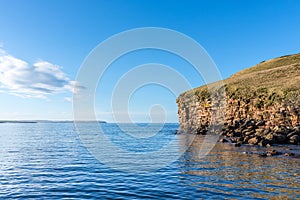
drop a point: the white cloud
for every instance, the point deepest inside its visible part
(70, 99)
(35, 80)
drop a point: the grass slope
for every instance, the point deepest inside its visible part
(273, 81)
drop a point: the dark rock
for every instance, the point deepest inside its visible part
(270, 137)
(178, 132)
(223, 133)
(280, 138)
(249, 122)
(231, 134)
(262, 155)
(233, 140)
(292, 134)
(223, 140)
(273, 152)
(264, 142)
(297, 129)
(245, 141)
(259, 132)
(294, 139)
(201, 131)
(260, 123)
(278, 130)
(289, 154)
(238, 144)
(237, 134)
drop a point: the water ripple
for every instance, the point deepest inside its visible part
(48, 161)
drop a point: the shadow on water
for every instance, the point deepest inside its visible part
(239, 170)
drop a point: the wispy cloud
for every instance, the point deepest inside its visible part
(36, 80)
(70, 99)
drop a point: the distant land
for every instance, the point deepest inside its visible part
(47, 121)
(13, 121)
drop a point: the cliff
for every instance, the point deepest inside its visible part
(258, 105)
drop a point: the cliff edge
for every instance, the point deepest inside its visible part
(261, 105)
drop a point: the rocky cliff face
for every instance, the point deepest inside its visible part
(259, 105)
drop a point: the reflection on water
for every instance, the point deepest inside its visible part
(239, 170)
(48, 161)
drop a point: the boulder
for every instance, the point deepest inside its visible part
(264, 142)
(273, 152)
(238, 144)
(262, 155)
(237, 134)
(280, 138)
(223, 140)
(270, 137)
(253, 141)
(289, 154)
(295, 139)
(245, 141)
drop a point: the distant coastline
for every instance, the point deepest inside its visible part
(47, 121)
(12, 121)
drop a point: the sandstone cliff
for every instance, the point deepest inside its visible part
(258, 105)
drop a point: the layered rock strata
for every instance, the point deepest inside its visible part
(258, 106)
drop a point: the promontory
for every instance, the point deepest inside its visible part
(259, 105)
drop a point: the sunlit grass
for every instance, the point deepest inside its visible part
(273, 81)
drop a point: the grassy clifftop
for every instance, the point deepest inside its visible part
(275, 80)
(276, 75)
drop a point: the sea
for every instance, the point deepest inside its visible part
(51, 160)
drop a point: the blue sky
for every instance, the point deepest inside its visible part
(43, 44)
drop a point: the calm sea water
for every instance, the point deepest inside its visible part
(49, 161)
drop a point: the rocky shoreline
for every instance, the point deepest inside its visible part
(256, 106)
(252, 133)
(255, 132)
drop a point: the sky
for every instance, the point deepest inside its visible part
(44, 43)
